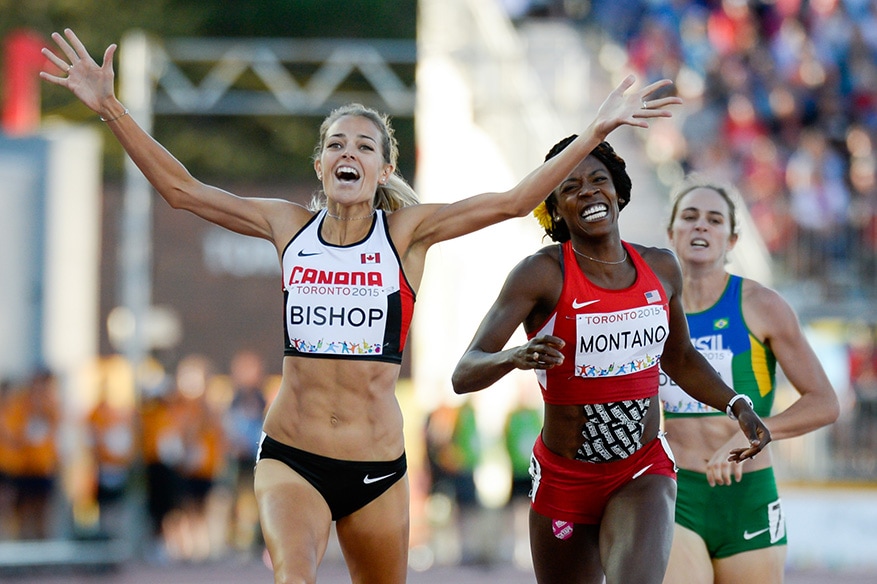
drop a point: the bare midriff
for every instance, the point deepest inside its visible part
(343, 409)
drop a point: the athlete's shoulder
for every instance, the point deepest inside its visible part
(540, 270)
(548, 258)
(764, 306)
(661, 260)
(654, 254)
(553, 252)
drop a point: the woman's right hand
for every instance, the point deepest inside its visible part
(90, 83)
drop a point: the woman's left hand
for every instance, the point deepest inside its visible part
(633, 108)
(754, 430)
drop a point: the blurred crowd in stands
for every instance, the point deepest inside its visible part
(781, 100)
(169, 470)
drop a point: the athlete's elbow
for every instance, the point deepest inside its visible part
(462, 381)
(670, 367)
(458, 382)
(173, 195)
(517, 203)
(831, 411)
(174, 198)
(178, 191)
(522, 209)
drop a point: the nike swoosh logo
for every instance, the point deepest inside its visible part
(747, 535)
(369, 480)
(576, 304)
(641, 471)
(303, 254)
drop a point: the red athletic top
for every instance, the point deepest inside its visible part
(614, 338)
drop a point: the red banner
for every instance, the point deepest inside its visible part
(22, 62)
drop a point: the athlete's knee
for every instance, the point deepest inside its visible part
(291, 573)
(292, 561)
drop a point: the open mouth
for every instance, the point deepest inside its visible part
(595, 212)
(346, 174)
(698, 242)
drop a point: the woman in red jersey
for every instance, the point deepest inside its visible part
(600, 315)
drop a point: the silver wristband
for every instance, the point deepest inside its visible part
(728, 409)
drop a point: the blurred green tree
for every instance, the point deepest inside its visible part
(219, 148)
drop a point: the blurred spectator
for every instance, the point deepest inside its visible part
(9, 458)
(162, 427)
(741, 126)
(654, 52)
(453, 448)
(110, 438)
(243, 423)
(815, 177)
(697, 51)
(522, 427)
(31, 419)
(863, 378)
(198, 536)
(863, 179)
(620, 19)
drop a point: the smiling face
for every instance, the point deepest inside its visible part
(352, 163)
(586, 199)
(702, 228)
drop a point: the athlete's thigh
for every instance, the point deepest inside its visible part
(374, 539)
(575, 559)
(637, 530)
(766, 565)
(690, 561)
(295, 521)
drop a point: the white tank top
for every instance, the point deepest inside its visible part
(351, 301)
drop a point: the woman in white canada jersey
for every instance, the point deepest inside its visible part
(600, 314)
(333, 447)
(730, 526)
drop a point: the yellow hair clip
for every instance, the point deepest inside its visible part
(543, 216)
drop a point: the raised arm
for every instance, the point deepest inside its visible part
(623, 106)
(692, 372)
(93, 84)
